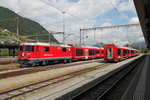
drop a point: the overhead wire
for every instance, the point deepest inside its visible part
(52, 25)
(59, 10)
(122, 18)
(115, 8)
(65, 12)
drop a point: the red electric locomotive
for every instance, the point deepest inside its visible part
(115, 53)
(42, 53)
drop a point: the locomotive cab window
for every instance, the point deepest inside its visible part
(20, 48)
(29, 49)
(46, 49)
(64, 49)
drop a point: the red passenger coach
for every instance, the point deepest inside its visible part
(115, 53)
(41, 53)
(86, 52)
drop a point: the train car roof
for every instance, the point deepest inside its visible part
(44, 44)
(85, 47)
(90, 47)
(127, 48)
(123, 47)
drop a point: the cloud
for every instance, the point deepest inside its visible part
(134, 20)
(80, 14)
(141, 39)
(126, 6)
(11, 4)
(106, 24)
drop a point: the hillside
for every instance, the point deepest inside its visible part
(26, 26)
(142, 44)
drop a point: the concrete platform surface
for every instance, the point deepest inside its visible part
(139, 88)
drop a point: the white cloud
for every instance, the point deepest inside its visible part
(126, 6)
(106, 24)
(134, 20)
(141, 39)
(52, 18)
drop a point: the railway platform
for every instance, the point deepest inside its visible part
(139, 87)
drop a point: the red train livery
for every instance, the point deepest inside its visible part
(115, 53)
(86, 52)
(42, 53)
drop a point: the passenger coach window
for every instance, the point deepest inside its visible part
(46, 49)
(96, 51)
(64, 49)
(124, 52)
(119, 52)
(91, 52)
(29, 48)
(79, 52)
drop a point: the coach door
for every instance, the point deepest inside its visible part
(109, 52)
(86, 53)
(37, 52)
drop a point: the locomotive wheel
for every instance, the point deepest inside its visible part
(43, 63)
(65, 60)
(34, 64)
(22, 65)
(70, 60)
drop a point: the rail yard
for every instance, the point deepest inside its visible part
(74, 50)
(20, 83)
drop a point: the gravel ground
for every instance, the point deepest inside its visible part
(13, 82)
(8, 60)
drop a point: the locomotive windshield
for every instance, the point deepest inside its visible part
(20, 48)
(29, 48)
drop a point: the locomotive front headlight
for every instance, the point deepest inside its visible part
(28, 56)
(22, 54)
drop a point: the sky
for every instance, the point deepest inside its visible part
(81, 14)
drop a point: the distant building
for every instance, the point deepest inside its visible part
(5, 30)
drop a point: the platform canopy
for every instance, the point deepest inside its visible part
(143, 11)
(9, 46)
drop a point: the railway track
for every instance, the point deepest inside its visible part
(35, 86)
(7, 68)
(100, 88)
(39, 68)
(5, 62)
